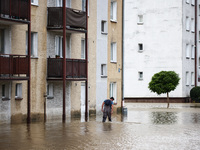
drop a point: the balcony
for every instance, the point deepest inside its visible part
(13, 66)
(75, 68)
(75, 19)
(14, 11)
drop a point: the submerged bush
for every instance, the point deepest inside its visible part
(195, 94)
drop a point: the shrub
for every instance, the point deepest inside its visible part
(195, 94)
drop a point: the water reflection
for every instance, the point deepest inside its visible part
(164, 117)
(142, 128)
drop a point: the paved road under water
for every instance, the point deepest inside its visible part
(146, 127)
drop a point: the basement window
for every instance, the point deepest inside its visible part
(5, 91)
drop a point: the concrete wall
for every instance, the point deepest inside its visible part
(161, 34)
(115, 68)
(101, 53)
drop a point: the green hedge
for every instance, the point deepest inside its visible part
(195, 94)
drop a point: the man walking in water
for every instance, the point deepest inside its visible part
(107, 108)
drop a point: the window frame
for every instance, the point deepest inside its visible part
(58, 46)
(140, 20)
(6, 91)
(113, 52)
(113, 11)
(59, 3)
(187, 53)
(50, 89)
(34, 44)
(2, 41)
(113, 91)
(187, 78)
(35, 2)
(140, 75)
(187, 23)
(18, 91)
(192, 51)
(192, 25)
(83, 48)
(104, 27)
(140, 47)
(192, 78)
(103, 70)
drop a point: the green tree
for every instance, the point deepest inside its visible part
(164, 82)
(195, 94)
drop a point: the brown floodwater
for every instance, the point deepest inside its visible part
(146, 127)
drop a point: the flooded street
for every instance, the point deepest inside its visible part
(146, 127)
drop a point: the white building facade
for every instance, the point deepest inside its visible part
(160, 36)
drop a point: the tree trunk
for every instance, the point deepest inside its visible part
(167, 100)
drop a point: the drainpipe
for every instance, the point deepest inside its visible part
(64, 58)
(29, 66)
(122, 103)
(86, 56)
(196, 43)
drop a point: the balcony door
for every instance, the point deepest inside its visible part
(58, 46)
(59, 3)
(5, 39)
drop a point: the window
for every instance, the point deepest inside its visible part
(58, 46)
(193, 2)
(18, 90)
(59, 3)
(187, 24)
(82, 48)
(140, 47)
(113, 55)
(199, 10)
(140, 75)
(199, 62)
(84, 6)
(199, 36)
(113, 11)
(192, 78)
(103, 70)
(103, 26)
(187, 78)
(2, 51)
(34, 44)
(5, 89)
(187, 51)
(187, 1)
(140, 19)
(34, 2)
(50, 90)
(113, 91)
(193, 52)
(192, 25)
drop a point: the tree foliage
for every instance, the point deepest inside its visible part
(164, 82)
(195, 94)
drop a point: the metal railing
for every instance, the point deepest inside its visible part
(74, 18)
(14, 9)
(75, 68)
(13, 64)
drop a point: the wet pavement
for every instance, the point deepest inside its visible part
(146, 127)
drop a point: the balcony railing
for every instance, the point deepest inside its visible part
(14, 65)
(14, 9)
(74, 18)
(75, 68)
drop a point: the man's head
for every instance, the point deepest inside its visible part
(112, 98)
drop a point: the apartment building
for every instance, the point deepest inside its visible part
(109, 52)
(160, 35)
(52, 69)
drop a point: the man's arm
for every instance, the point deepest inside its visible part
(102, 106)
